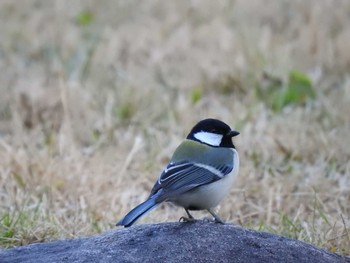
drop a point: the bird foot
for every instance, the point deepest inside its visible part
(213, 220)
(219, 221)
(187, 219)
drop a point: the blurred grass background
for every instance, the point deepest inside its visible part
(96, 95)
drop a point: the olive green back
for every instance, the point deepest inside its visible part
(202, 153)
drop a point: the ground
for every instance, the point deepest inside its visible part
(96, 95)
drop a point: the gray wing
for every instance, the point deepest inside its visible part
(181, 177)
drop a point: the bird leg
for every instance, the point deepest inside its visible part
(217, 219)
(190, 218)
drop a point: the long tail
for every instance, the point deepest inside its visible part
(138, 212)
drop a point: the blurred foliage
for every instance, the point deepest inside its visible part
(85, 18)
(277, 94)
(7, 231)
(17, 228)
(196, 94)
(125, 111)
(228, 84)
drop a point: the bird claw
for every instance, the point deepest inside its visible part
(186, 219)
(213, 220)
(219, 221)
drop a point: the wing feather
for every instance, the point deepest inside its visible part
(181, 177)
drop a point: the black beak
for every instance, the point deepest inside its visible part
(233, 133)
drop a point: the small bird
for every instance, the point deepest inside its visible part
(199, 175)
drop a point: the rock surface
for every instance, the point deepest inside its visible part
(174, 242)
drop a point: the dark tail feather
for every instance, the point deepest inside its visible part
(138, 212)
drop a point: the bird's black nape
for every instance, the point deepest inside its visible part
(214, 126)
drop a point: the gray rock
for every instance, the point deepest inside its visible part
(174, 242)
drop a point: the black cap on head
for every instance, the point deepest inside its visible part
(216, 127)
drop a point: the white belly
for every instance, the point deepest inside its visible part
(210, 195)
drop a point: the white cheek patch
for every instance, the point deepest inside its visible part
(209, 138)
